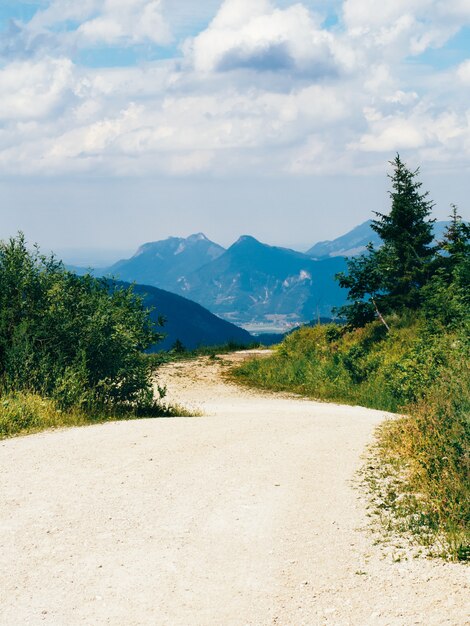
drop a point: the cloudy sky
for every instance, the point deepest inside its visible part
(124, 121)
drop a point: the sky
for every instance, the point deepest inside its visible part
(127, 121)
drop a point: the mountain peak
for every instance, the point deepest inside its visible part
(197, 237)
(247, 239)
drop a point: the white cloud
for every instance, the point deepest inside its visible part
(126, 21)
(259, 36)
(420, 129)
(336, 100)
(399, 27)
(463, 72)
(392, 135)
(364, 16)
(33, 90)
(103, 22)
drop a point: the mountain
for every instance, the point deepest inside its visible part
(251, 284)
(355, 241)
(163, 263)
(189, 322)
(350, 244)
(253, 281)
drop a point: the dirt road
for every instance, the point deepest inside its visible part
(245, 516)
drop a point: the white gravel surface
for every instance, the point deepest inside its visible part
(245, 516)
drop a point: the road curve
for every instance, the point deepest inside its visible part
(245, 516)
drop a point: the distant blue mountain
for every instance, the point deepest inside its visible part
(253, 282)
(163, 263)
(355, 241)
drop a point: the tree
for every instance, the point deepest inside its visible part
(390, 278)
(447, 295)
(455, 245)
(407, 235)
(79, 340)
(365, 282)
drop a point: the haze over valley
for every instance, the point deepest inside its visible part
(259, 287)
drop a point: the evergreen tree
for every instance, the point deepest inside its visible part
(390, 278)
(455, 245)
(407, 235)
(447, 295)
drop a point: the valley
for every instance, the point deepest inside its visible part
(253, 285)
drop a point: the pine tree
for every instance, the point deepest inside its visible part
(391, 278)
(455, 244)
(407, 235)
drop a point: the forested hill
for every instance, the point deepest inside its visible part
(187, 321)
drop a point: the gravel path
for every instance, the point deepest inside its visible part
(245, 516)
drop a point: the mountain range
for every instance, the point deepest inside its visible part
(351, 244)
(251, 284)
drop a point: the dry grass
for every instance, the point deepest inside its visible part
(24, 413)
(426, 457)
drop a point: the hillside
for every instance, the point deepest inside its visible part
(188, 321)
(255, 281)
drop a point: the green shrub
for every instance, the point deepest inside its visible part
(411, 377)
(77, 340)
(430, 447)
(22, 412)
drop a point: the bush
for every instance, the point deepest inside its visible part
(22, 412)
(76, 340)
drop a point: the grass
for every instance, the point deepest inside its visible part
(427, 457)
(160, 358)
(24, 413)
(422, 466)
(324, 364)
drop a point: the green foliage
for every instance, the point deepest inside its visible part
(26, 412)
(76, 340)
(178, 347)
(390, 278)
(430, 447)
(455, 245)
(410, 377)
(407, 235)
(364, 281)
(329, 363)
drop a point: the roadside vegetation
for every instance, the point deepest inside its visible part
(405, 348)
(179, 352)
(71, 348)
